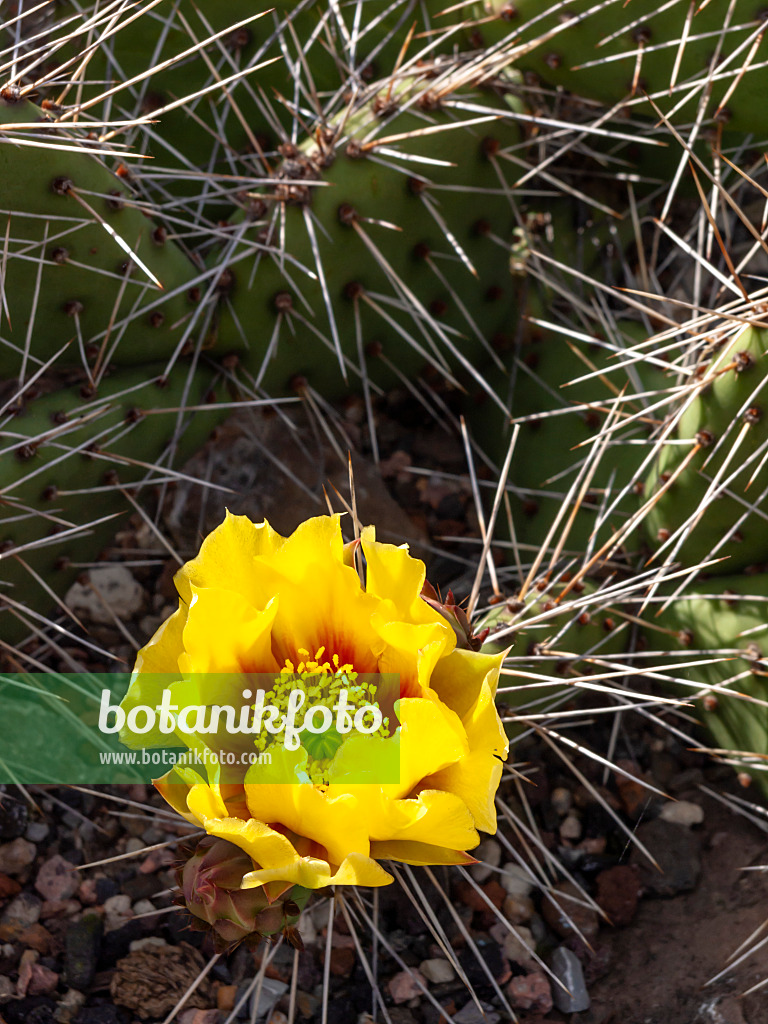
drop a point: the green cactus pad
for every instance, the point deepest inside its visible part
(704, 470)
(724, 621)
(256, 75)
(64, 457)
(88, 275)
(385, 246)
(555, 638)
(612, 51)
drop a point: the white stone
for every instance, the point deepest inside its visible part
(571, 828)
(437, 970)
(519, 945)
(117, 912)
(516, 880)
(489, 853)
(143, 907)
(150, 942)
(683, 812)
(118, 590)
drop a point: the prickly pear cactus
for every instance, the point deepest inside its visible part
(614, 52)
(718, 630)
(383, 248)
(558, 632)
(72, 459)
(708, 482)
(89, 278)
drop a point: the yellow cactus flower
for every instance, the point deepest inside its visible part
(255, 602)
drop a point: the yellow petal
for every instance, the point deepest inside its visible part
(279, 862)
(205, 802)
(412, 651)
(226, 558)
(312, 873)
(431, 817)
(431, 738)
(224, 633)
(421, 854)
(394, 575)
(162, 652)
(459, 677)
(335, 822)
(475, 777)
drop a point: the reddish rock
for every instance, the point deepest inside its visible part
(404, 986)
(633, 794)
(37, 937)
(37, 980)
(564, 911)
(59, 908)
(530, 992)
(226, 996)
(470, 897)
(87, 893)
(199, 1017)
(8, 887)
(57, 879)
(342, 961)
(618, 890)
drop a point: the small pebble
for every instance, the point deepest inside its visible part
(13, 817)
(226, 996)
(143, 907)
(519, 945)
(405, 985)
(566, 967)
(192, 1016)
(37, 831)
(59, 908)
(7, 989)
(112, 586)
(307, 930)
(82, 946)
(571, 829)
(516, 880)
(438, 971)
(683, 812)
(22, 911)
(561, 800)
(517, 909)
(117, 911)
(675, 849)
(57, 879)
(150, 942)
(134, 844)
(37, 980)
(271, 990)
(489, 853)
(530, 992)
(618, 890)
(565, 912)
(470, 1014)
(16, 856)
(68, 1005)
